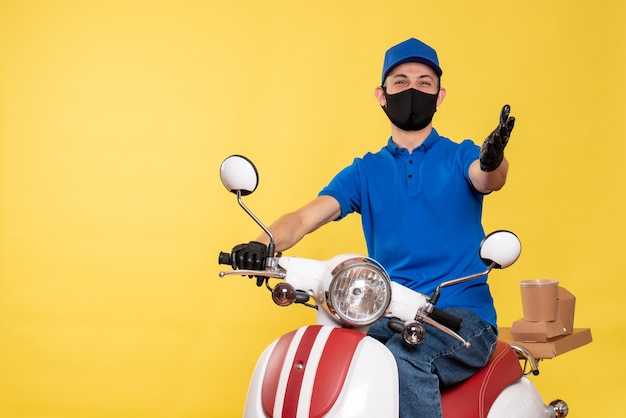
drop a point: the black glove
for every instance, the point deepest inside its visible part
(492, 151)
(250, 256)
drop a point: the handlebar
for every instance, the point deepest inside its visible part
(442, 317)
(261, 275)
(446, 319)
(436, 315)
(225, 258)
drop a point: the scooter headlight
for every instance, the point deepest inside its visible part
(359, 291)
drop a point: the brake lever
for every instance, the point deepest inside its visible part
(277, 274)
(447, 330)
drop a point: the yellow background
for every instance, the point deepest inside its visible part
(115, 116)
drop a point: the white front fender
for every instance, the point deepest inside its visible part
(369, 389)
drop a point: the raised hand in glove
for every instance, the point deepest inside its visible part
(250, 256)
(492, 151)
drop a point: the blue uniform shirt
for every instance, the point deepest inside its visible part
(421, 217)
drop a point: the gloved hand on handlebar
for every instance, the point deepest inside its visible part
(492, 151)
(250, 256)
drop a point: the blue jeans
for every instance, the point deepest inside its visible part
(439, 361)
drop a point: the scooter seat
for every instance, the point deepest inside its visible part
(473, 397)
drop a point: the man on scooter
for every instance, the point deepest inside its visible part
(420, 198)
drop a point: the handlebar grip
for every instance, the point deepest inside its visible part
(224, 258)
(396, 325)
(446, 319)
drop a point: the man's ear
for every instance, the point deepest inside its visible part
(379, 93)
(441, 96)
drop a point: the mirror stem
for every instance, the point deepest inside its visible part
(435, 297)
(271, 246)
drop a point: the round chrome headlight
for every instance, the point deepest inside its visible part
(359, 292)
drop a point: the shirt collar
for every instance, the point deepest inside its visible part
(428, 143)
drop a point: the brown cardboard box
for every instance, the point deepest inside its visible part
(537, 331)
(552, 348)
(545, 331)
(567, 305)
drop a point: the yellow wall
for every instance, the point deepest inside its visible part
(115, 116)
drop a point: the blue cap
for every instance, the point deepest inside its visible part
(411, 50)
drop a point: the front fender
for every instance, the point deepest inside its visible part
(325, 371)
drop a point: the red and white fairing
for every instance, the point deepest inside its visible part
(324, 371)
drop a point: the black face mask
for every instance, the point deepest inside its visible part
(411, 109)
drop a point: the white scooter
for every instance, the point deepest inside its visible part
(333, 369)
